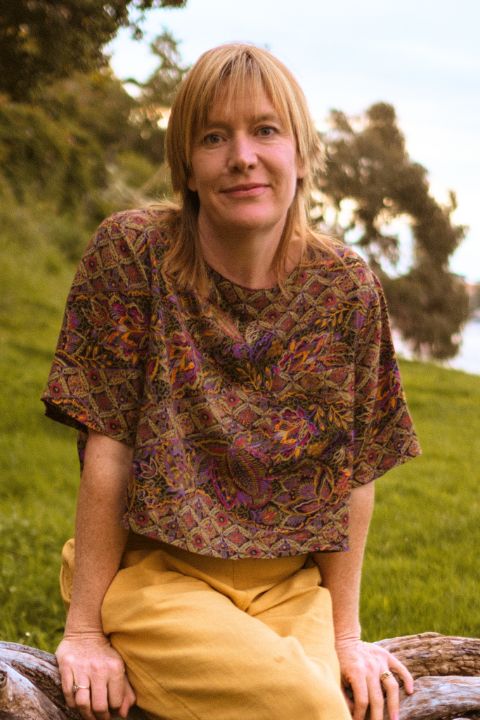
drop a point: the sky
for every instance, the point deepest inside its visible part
(422, 56)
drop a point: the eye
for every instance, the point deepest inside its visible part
(211, 139)
(267, 131)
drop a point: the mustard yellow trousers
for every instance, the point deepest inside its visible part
(210, 639)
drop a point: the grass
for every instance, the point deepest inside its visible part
(421, 569)
(37, 460)
(422, 566)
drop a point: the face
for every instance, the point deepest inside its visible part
(244, 169)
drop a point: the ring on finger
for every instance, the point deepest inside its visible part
(385, 675)
(76, 687)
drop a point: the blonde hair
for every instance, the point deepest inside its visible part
(233, 70)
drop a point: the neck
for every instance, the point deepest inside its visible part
(245, 257)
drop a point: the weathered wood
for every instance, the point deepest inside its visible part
(447, 685)
(447, 676)
(441, 697)
(30, 686)
(435, 654)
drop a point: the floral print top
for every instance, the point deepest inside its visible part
(252, 414)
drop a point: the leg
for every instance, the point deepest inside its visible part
(192, 654)
(299, 606)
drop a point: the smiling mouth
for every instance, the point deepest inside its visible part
(245, 188)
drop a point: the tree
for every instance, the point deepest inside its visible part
(41, 40)
(368, 165)
(155, 98)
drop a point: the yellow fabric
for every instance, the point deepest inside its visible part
(211, 639)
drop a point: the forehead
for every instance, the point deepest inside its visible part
(241, 106)
(247, 100)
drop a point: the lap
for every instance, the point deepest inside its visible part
(201, 644)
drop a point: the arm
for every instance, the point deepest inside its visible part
(85, 656)
(361, 663)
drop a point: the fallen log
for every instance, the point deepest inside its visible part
(30, 686)
(434, 654)
(446, 671)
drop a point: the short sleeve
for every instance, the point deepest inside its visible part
(383, 430)
(96, 378)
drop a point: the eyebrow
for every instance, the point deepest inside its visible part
(264, 117)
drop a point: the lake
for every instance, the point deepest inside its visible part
(468, 359)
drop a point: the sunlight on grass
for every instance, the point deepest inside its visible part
(421, 569)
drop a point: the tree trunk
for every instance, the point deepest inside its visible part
(446, 672)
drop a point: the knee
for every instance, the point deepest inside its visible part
(312, 691)
(320, 700)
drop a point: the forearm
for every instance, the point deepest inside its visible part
(99, 535)
(341, 572)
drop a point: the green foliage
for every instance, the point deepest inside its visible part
(155, 98)
(368, 164)
(475, 298)
(429, 306)
(41, 157)
(85, 148)
(134, 169)
(160, 87)
(96, 102)
(44, 40)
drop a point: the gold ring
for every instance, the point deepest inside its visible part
(76, 687)
(385, 675)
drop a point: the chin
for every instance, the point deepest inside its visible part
(255, 221)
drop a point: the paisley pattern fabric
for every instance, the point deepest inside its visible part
(252, 414)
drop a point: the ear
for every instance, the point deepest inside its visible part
(191, 184)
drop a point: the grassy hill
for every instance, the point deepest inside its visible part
(421, 568)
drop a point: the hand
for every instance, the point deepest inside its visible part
(361, 665)
(90, 662)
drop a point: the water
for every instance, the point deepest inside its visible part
(468, 359)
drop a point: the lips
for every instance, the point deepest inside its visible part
(245, 189)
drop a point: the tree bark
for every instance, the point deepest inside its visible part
(30, 686)
(446, 671)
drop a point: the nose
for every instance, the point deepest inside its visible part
(242, 154)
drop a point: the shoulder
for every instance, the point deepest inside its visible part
(346, 269)
(119, 254)
(132, 229)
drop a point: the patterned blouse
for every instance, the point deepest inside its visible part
(252, 414)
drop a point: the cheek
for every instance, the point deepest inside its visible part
(288, 166)
(204, 173)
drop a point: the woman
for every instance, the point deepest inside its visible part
(233, 378)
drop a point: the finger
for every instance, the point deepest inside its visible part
(67, 686)
(391, 689)
(99, 699)
(403, 673)
(83, 704)
(116, 691)
(128, 701)
(376, 698)
(360, 698)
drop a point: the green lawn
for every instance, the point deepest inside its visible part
(37, 459)
(422, 568)
(421, 572)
